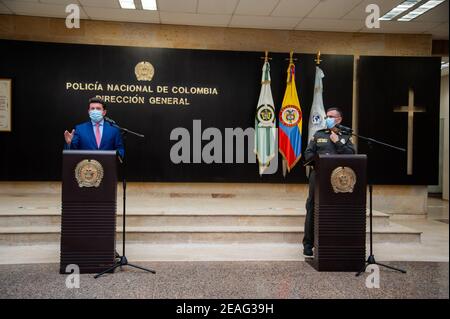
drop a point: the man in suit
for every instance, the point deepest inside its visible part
(96, 134)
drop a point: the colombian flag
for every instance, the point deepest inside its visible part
(290, 122)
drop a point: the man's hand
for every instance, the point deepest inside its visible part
(334, 137)
(69, 136)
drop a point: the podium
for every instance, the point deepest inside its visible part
(88, 212)
(340, 213)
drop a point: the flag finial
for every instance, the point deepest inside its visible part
(291, 58)
(266, 56)
(318, 60)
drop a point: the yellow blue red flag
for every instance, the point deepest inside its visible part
(290, 122)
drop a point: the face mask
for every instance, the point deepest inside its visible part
(330, 122)
(96, 115)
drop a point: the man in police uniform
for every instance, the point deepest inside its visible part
(326, 141)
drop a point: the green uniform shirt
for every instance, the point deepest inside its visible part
(322, 144)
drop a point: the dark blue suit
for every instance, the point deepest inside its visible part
(84, 138)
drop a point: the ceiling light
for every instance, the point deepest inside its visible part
(149, 5)
(402, 7)
(127, 4)
(421, 10)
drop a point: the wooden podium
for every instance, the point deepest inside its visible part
(340, 213)
(88, 221)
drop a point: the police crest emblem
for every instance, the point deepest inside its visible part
(265, 115)
(144, 71)
(89, 173)
(343, 179)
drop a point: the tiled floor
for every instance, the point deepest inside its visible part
(288, 279)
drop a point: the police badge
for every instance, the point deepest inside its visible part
(343, 180)
(89, 173)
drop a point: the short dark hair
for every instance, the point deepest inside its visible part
(337, 110)
(97, 100)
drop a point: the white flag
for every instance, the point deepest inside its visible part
(265, 126)
(317, 115)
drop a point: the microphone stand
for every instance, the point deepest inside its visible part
(123, 261)
(370, 141)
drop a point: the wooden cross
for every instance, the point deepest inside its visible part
(410, 109)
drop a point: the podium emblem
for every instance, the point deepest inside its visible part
(343, 179)
(89, 173)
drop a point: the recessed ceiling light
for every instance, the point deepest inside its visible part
(149, 5)
(421, 10)
(402, 7)
(127, 4)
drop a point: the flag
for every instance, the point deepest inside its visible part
(317, 115)
(290, 122)
(265, 126)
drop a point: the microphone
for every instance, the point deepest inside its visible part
(344, 129)
(110, 120)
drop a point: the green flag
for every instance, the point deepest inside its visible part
(265, 126)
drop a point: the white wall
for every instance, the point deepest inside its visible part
(444, 116)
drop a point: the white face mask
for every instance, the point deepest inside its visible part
(96, 115)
